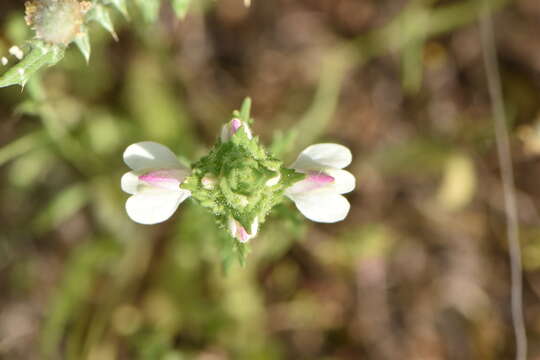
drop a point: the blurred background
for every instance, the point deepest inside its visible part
(419, 269)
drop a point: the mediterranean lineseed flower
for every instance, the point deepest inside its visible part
(154, 182)
(318, 196)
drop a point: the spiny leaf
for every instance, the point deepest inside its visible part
(121, 6)
(83, 43)
(181, 7)
(40, 55)
(100, 14)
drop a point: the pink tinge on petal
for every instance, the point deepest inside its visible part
(241, 234)
(166, 179)
(320, 178)
(235, 125)
(232, 127)
(313, 181)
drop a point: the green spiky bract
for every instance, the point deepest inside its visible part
(240, 168)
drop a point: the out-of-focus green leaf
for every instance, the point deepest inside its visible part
(30, 168)
(15, 30)
(160, 113)
(22, 145)
(181, 7)
(283, 142)
(149, 9)
(83, 43)
(28, 107)
(317, 117)
(80, 272)
(38, 56)
(64, 205)
(104, 133)
(428, 154)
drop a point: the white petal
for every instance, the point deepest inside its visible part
(254, 228)
(154, 206)
(344, 181)
(130, 182)
(314, 181)
(225, 133)
(150, 155)
(319, 156)
(247, 130)
(324, 208)
(232, 225)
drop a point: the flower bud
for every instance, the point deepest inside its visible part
(56, 21)
(232, 128)
(209, 182)
(239, 232)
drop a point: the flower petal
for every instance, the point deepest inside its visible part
(324, 208)
(130, 182)
(254, 228)
(318, 156)
(344, 181)
(150, 155)
(314, 181)
(166, 179)
(154, 206)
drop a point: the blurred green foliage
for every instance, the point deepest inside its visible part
(417, 271)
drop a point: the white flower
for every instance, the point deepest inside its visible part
(318, 196)
(239, 232)
(229, 129)
(154, 182)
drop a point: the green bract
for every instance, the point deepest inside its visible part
(240, 179)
